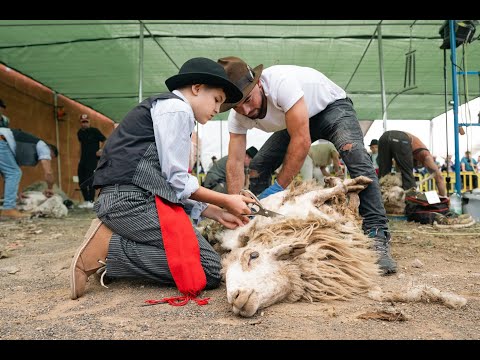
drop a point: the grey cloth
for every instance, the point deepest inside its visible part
(136, 249)
(217, 175)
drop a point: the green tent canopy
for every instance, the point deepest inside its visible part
(109, 64)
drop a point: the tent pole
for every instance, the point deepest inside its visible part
(453, 47)
(140, 65)
(221, 139)
(431, 136)
(198, 157)
(57, 135)
(382, 77)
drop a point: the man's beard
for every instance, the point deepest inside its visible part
(263, 108)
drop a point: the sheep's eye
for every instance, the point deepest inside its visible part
(254, 255)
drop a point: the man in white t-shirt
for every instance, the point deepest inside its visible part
(299, 105)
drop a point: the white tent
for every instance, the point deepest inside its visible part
(214, 144)
(431, 132)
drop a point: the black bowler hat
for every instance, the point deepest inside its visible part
(373, 142)
(204, 71)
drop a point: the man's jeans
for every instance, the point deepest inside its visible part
(338, 124)
(11, 173)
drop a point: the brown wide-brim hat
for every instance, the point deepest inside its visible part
(204, 71)
(242, 75)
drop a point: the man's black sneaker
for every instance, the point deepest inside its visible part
(382, 246)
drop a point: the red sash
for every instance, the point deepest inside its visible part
(183, 253)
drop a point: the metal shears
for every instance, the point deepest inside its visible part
(257, 208)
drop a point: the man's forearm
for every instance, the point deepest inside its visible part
(49, 178)
(235, 177)
(296, 153)
(48, 173)
(442, 189)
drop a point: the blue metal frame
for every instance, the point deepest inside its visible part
(453, 47)
(453, 50)
(468, 73)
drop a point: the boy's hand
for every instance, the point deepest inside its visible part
(230, 221)
(237, 205)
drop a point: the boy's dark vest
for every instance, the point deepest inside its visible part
(26, 149)
(130, 153)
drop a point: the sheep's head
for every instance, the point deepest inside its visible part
(257, 277)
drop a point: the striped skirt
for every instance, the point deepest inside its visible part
(136, 249)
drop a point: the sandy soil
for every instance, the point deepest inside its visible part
(35, 256)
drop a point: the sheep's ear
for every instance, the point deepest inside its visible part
(286, 252)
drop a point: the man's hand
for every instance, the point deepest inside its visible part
(48, 193)
(272, 189)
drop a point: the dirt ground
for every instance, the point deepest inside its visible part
(35, 256)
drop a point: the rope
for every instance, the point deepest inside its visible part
(363, 55)
(447, 179)
(179, 300)
(467, 105)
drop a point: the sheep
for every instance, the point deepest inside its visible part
(315, 252)
(393, 195)
(40, 206)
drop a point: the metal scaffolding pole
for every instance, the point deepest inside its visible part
(382, 76)
(57, 136)
(140, 65)
(453, 50)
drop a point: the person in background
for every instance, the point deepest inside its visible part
(19, 148)
(4, 120)
(91, 142)
(299, 105)
(9, 168)
(374, 153)
(194, 168)
(11, 174)
(323, 155)
(408, 151)
(448, 165)
(469, 164)
(31, 150)
(214, 160)
(216, 178)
